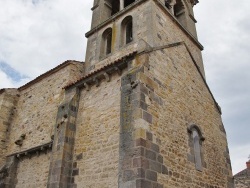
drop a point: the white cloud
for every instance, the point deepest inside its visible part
(37, 37)
(7, 82)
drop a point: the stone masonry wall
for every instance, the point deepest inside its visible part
(141, 15)
(8, 101)
(241, 184)
(167, 31)
(97, 136)
(242, 179)
(33, 172)
(36, 110)
(175, 97)
(152, 25)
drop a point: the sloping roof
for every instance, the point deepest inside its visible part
(48, 73)
(243, 173)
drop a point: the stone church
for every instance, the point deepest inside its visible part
(242, 178)
(137, 113)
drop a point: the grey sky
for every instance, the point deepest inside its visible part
(37, 35)
(223, 28)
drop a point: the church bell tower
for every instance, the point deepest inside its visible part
(171, 130)
(122, 26)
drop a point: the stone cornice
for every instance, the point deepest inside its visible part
(132, 6)
(35, 150)
(193, 60)
(189, 35)
(114, 17)
(103, 73)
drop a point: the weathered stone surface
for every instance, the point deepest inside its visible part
(36, 109)
(184, 90)
(8, 100)
(33, 172)
(97, 135)
(149, 20)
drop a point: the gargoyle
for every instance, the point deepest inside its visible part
(19, 142)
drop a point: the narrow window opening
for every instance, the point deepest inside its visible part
(112, 7)
(195, 143)
(115, 7)
(108, 43)
(197, 150)
(129, 32)
(128, 2)
(179, 8)
(179, 12)
(168, 4)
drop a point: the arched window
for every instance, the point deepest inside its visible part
(127, 30)
(106, 47)
(179, 8)
(197, 150)
(112, 7)
(196, 140)
(169, 3)
(128, 2)
(179, 12)
(115, 7)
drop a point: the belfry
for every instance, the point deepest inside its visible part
(137, 113)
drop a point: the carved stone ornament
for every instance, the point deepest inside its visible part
(170, 3)
(19, 142)
(194, 2)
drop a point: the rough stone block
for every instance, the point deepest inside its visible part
(140, 162)
(140, 142)
(140, 173)
(155, 166)
(155, 147)
(160, 159)
(141, 183)
(148, 117)
(149, 136)
(165, 170)
(128, 175)
(156, 185)
(140, 133)
(151, 175)
(75, 172)
(150, 155)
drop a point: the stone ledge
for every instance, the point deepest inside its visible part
(34, 150)
(103, 73)
(114, 17)
(176, 44)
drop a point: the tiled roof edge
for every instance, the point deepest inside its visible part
(100, 69)
(241, 173)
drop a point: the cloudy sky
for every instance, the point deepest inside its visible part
(37, 35)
